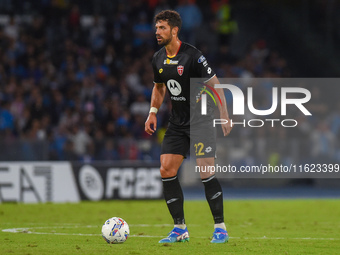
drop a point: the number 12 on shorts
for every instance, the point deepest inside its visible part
(199, 149)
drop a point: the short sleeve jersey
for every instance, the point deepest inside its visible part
(175, 72)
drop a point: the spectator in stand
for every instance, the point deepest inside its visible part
(140, 106)
(12, 29)
(6, 117)
(97, 34)
(81, 140)
(142, 32)
(323, 143)
(74, 19)
(191, 20)
(226, 26)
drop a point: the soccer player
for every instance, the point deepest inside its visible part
(173, 66)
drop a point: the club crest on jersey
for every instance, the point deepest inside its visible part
(180, 70)
(170, 62)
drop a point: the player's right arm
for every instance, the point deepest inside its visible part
(157, 97)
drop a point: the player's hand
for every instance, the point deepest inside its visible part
(226, 128)
(151, 123)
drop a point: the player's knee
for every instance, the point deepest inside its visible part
(167, 171)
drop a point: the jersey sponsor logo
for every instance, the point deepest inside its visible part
(201, 59)
(178, 98)
(209, 70)
(180, 70)
(170, 62)
(174, 87)
(161, 70)
(205, 63)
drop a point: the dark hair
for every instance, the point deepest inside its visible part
(172, 17)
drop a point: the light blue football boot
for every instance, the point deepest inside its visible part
(220, 236)
(176, 235)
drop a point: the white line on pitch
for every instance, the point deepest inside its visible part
(66, 225)
(26, 231)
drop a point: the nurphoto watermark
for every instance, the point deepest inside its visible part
(282, 127)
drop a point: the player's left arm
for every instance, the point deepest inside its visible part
(226, 128)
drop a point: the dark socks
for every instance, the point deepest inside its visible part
(214, 196)
(173, 195)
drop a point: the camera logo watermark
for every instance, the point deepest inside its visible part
(203, 97)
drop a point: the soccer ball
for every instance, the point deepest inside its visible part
(115, 230)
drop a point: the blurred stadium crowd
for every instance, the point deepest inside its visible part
(80, 82)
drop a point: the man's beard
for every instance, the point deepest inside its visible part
(165, 42)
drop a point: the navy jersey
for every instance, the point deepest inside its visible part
(175, 72)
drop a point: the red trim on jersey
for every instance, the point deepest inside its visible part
(180, 44)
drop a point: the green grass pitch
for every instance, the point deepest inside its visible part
(254, 226)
